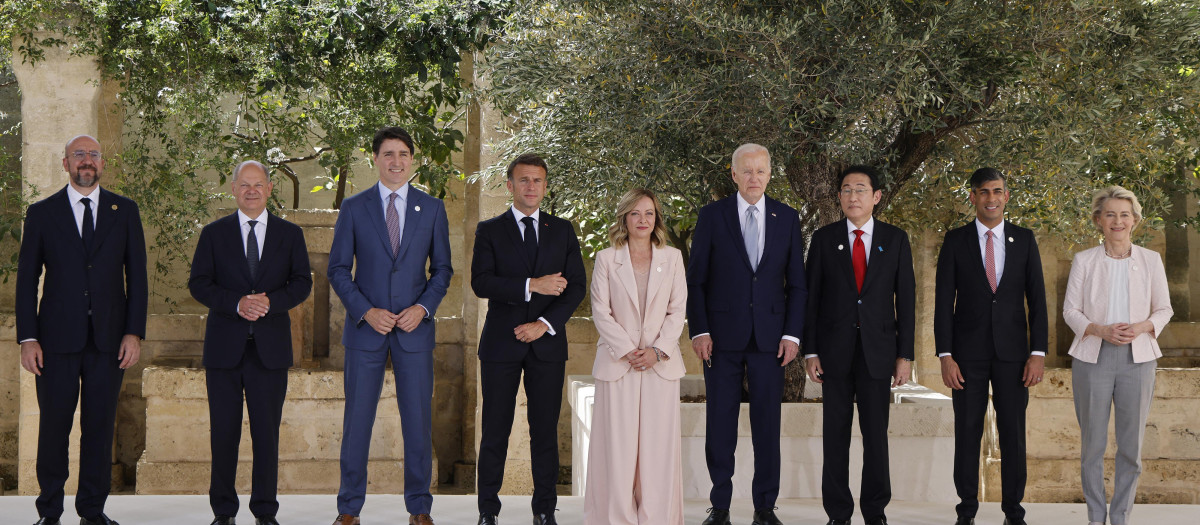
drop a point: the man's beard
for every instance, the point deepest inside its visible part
(85, 181)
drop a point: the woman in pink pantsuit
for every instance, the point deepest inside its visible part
(639, 295)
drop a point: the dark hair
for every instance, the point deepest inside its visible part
(528, 159)
(393, 132)
(984, 175)
(870, 172)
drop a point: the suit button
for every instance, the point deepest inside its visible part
(993, 301)
(85, 292)
(751, 305)
(860, 301)
(755, 278)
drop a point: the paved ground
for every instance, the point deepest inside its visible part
(460, 510)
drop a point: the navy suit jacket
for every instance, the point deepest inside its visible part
(972, 323)
(884, 313)
(730, 301)
(112, 274)
(499, 267)
(378, 280)
(221, 277)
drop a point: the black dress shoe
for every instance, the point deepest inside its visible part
(963, 520)
(717, 517)
(838, 522)
(265, 520)
(882, 520)
(487, 519)
(98, 520)
(47, 521)
(544, 519)
(766, 517)
(222, 520)
(1013, 521)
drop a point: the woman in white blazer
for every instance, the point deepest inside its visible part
(639, 296)
(1117, 304)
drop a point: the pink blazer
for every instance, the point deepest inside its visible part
(1087, 301)
(621, 324)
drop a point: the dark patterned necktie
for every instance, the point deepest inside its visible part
(89, 224)
(252, 250)
(530, 238)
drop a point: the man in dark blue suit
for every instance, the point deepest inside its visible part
(250, 268)
(746, 300)
(87, 329)
(527, 265)
(384, 237)
(990, 325)
(858, 341)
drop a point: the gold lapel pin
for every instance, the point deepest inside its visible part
(114, 207)
(418, 208)
(773, 214)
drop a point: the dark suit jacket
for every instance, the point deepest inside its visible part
(728, 300)
(113, 273)
(884, 313)
(499, 268)
(972, 323)
(360, 242)
(221, 276)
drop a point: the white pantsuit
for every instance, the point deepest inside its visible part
(634, 470)
(1103, 291)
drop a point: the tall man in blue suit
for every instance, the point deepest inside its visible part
(528, 266)
(746, 300)
(858, 341)
(86, 330)
(387, 234)
(250, 268)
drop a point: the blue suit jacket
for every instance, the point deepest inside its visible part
(730, 301)
(112, 273)
(382, 281)
(220, 277)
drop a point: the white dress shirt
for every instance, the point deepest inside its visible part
(401, 198)
(868, 230)
(998, 247)
(761, 205)
(77, 207)
(260, 230)
(521, 230)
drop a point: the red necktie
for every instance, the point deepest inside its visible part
(859, 258)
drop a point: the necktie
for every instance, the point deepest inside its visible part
(393, 224)
(89, 224)
(989, 260)
(252, 250)
(859, 258)
(751, 236)
(530, 238)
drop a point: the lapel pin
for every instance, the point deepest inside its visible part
(114, 207)
(1135, 268)
(660, 268)
(839, 246)
(1010, 239)
(418, 208)
(772, 214)
(881, 248)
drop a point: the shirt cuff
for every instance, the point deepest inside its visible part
(529, 296)
(699, 335)
(34, 339)
(549, 327)
(944, 354)
(792, 339)
(1037, 352)
(809, 356)
(427, 315)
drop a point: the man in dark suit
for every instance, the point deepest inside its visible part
(859, 340)
(528, 266)
(250, 268)
(383, 240)
(87, 329)
(990, 295)
(746, 300)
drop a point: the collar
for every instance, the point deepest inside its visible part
(384, 192)
(868, 228)
(517, 213)
(982, 230)
(743, 205)
(74, 196)
(243, 218)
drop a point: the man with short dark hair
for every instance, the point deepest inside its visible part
(87, 329)
(858, 341)
(527, 264)
(383, 240)
(990, 294)
(248, 336)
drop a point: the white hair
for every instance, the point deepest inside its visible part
(747, 149)
(238, 170)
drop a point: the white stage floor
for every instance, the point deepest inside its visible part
(387, 509)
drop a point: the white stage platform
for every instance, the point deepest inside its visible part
(388, 509)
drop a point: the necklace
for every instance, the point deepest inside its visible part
(1127, 252)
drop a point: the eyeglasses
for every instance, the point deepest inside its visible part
(855, 191)
(80, 155)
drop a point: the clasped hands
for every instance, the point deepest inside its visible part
(1120, 333)
(383, 321)
(642, 358)
(253, 307)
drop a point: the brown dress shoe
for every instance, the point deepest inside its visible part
(346, 519)
(420, 519)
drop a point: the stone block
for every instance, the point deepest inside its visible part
(295, 477)
(175, 327)
(1057, 480)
